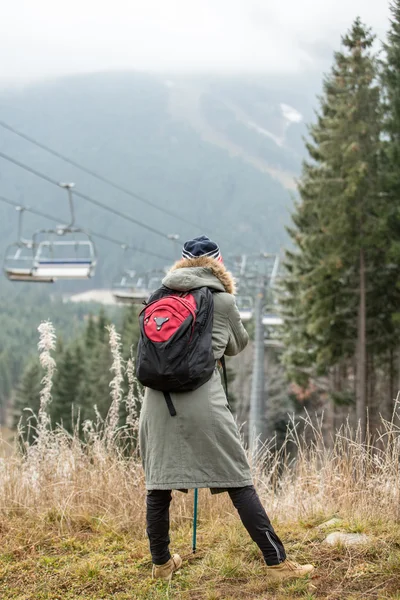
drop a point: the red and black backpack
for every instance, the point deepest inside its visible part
(175, 347)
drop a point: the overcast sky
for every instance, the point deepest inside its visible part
(41, 38)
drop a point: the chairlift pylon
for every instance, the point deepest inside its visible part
(20, 257)
(73, 257)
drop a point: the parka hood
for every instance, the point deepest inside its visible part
(188, 274)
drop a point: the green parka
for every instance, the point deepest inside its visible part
(200, 447)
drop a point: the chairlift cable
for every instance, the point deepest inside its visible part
(87, 198)
(105, 237)
(106, 180)
(96, 175)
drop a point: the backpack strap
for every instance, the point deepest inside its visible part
(170, 404)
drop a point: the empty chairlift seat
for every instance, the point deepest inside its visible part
(155, 283)
(131, 296)
(19, 264)
(271, 320)
(136, 289)
(19, 258)
(65, 258)
(246, 307)
(131, 289)
(66, 252)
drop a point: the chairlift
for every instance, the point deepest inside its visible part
(155, 282)
(271, 320)
(19, 258)
(130, 288)
(125, 289)
(130, 296)
(139, 290)
(66, 252)
(245, 305)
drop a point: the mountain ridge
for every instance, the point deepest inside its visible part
(133, 129)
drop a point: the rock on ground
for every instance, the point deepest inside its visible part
(335, 522)
(347, 539)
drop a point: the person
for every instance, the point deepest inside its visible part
(200, 447)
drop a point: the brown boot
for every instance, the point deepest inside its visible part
(289, 570)
(165, 571)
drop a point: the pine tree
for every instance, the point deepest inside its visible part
(325, 292)
(5, 385)
(90, 336)
(391, 84)
(67, 383)
(390, 182)
(28, 393)
(102, 323)
(94, 389)
(130, 330)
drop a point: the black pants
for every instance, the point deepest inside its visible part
(246, 502)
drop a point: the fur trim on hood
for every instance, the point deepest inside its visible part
(218, 269)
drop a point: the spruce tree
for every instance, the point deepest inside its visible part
(90, 336)
(390, 183)
(27, 400)
(391, 85)
(5, 385)
(65, 407)
(325, 292)
(130, 330)
(94, 389)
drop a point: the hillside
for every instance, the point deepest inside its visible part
(223, 153)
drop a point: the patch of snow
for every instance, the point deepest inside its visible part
(169, 83)
(105, 297)
(278, 140)
(291, 114)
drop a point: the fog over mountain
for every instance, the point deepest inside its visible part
(199, 106)
(45, 38)
(222, 153)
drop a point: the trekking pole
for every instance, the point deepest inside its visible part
(196, 498)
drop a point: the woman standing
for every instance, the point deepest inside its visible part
(200, 447)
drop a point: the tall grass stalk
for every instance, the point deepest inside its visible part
(116, 385)
(47, 344)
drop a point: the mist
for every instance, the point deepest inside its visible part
(44, 39)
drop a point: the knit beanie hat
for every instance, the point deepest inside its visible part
(201, 246)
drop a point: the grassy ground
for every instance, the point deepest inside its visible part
(94, 564)
(72, 514)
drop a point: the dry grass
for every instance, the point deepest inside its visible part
(92, 562)
(72, 515)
